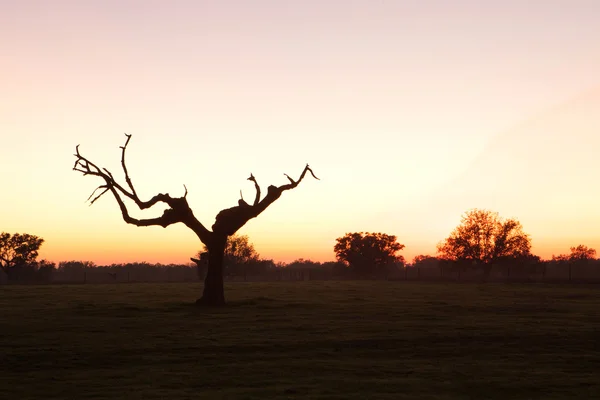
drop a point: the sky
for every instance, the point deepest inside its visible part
(409, 112)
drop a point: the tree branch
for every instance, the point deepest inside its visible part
(179, 210)
(127, 178)
(106, 189)
(293, 183)
(228, 221)
(257, 197)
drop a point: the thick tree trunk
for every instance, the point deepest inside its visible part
(214, 294)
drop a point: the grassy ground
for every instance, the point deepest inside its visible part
(329, 340)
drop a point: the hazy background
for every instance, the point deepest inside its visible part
(410, 112)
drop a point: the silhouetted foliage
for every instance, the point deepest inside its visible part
(484, 239)
(369, 253)
(240, 255)
(425, 261)
(301, 263)
(18, 253)
(335, 267)
(579, 253)
(227, 221)
(45, 270)
(68, 266)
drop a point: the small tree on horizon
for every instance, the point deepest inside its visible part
(578, 253)
(484, 239)
(227, 222)
(18, 251)
(238, 252)
(368, 253)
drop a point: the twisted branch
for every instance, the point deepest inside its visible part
(228, 221)
(179, 210)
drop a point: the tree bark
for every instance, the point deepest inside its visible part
(213, 294)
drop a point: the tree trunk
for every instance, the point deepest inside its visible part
(214, 294)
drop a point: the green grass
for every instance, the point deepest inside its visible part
(323, 340)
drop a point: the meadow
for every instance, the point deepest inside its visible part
(318, 340)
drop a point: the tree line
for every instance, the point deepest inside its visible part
(482, 242)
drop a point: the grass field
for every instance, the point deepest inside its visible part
(323, 340)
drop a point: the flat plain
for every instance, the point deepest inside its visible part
(318, 340)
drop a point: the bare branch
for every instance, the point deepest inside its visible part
(106, 189)
(228, 221)
(165, 220)
(307, 168)
(293, 183)
(291, 180)
(127, 178)
(179, 210)
(257, 197)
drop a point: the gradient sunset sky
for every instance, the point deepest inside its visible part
(410, 112)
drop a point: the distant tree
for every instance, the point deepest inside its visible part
(18, 251)
(368, 253)
(301, 263)
(227, 221)
(73, 265)
(239, 252)
(484, 239)
(335, 267)
(45, 270)
(259, 266)
(579, 253)
(560, 258)
(582, 253)
(425, 261)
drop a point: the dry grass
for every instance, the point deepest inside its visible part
(329, 340)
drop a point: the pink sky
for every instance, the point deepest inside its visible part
(395, 104)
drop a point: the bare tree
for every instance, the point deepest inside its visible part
(227, 222)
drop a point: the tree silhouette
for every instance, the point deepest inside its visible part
(227, 222)
(579, 253)
(18, 250)
(425, 261)
(367, 253)
(484, 239)
(582, 253)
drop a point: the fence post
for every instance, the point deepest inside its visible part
(570, 265)
(405, 273)
(84, 276)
